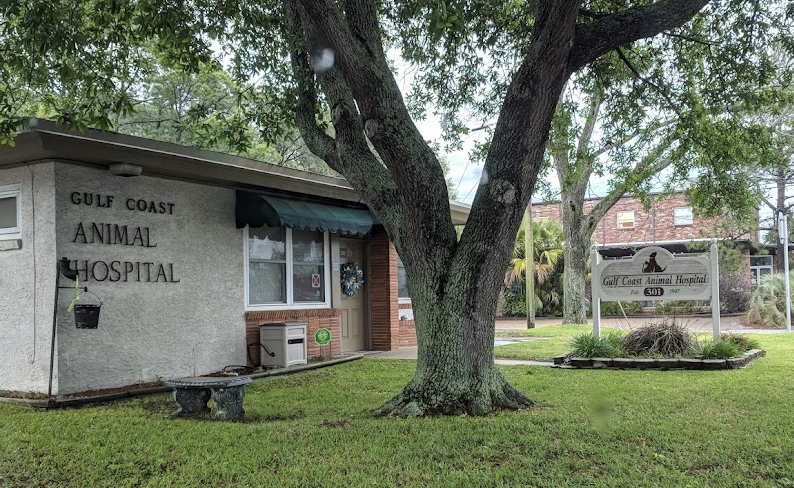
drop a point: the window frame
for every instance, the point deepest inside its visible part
(755, 270)
(290, 304)
(675, 217)
(633, 219)
(8, 233)
(399, 298)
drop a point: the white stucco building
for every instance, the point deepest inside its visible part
(188, 260)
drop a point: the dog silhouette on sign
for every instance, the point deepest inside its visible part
(651, 266)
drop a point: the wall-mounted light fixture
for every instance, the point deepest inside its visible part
(125, 169)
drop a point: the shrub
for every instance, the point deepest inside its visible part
(722, 349)
(587, 346)
(514, 305)
(768, 302)
(735, 293)
(668, 338)
(743, 342)
(676, 307)
(612, 309)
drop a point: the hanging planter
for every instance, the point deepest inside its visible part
(86, 315)
(352, 278)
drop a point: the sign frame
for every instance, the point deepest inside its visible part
(653, 273)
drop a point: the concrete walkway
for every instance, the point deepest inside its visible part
(410, 353)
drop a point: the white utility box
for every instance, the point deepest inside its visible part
(282, 345)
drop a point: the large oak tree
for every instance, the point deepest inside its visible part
(314, 57)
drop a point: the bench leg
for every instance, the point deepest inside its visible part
(191, 401)
(230, 403)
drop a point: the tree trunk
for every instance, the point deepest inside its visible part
(575, 276)
(455, 372)
(575, 248)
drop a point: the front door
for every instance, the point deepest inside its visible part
(353, 307)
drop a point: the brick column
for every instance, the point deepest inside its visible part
(383, 292)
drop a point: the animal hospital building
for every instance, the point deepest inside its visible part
(182, 258)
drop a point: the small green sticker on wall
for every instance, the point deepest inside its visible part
(322, 336)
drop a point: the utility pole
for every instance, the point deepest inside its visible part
(529, 270)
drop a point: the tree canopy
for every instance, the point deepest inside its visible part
(331, 67)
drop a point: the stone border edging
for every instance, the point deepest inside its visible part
(51, 403)
(749, 357)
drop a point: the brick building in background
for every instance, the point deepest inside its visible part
(668, 222)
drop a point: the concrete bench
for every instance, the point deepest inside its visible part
(192, 395)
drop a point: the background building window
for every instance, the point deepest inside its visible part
(626, 219)
(402, 281)
(286, 266)
(9, 212)
(760, 266)
(682, 216)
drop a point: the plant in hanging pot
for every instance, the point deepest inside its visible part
(86, 315)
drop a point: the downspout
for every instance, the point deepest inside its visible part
(62, 268)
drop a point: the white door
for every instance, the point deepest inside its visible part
(353, 307)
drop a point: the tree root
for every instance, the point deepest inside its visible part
(429, 400)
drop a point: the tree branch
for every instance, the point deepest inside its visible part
(650, 165)
(605, 34)
(612, 145)
(650, 83)
(362, 18)
(589, 126)
(690, 39)
(347, 153)
(374, 93)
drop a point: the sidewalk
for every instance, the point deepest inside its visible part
(699, 323)
(410, 353)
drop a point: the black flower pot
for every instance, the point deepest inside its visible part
(86, 316)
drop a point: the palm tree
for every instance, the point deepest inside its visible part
(547, 247)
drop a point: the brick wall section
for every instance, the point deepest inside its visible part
(383, 292)
(314, 320)
(654, 224)
(407, 333)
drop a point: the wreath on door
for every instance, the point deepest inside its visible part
(352, 278)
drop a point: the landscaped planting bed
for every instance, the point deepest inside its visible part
(663, 364)
(663, 345)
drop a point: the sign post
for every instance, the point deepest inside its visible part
(323, 338)
(715, 292)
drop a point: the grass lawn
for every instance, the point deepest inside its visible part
(591, 428)
(552, 341)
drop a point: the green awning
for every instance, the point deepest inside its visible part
(258, 210)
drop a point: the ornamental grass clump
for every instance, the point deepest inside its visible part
(587, 346)
(743, 342)
(722, 349)
(667, 338)
(768, 303)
